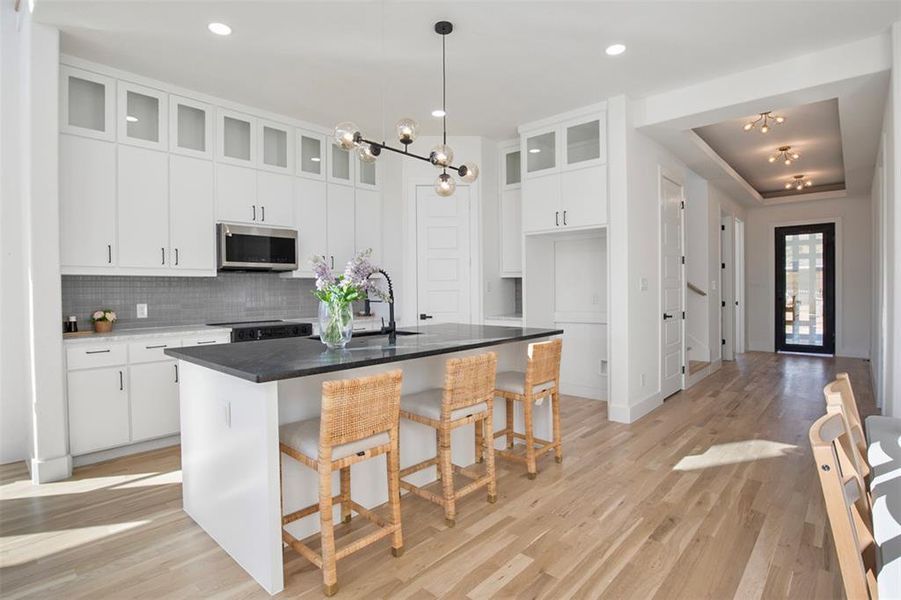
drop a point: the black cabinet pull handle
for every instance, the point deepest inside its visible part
(157, 346)
(109, 253)
(666, 316)
(176, 372)
(176, 257)
(333, 262)
(254, 211)
(163, 253)
(121, 382)
(206, 342)
(263, 209)
(557, 218)
(423, 316)
(96, 351)
(564, 217)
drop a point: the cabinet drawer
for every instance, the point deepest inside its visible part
(89, 356)
(207, 340)
(151, 350)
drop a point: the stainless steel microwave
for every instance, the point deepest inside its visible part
(249, 248)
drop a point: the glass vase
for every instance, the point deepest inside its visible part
(336, 324)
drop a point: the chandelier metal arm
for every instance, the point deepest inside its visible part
(404, 152)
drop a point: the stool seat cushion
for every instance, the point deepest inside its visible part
(303, 436)
(514, 381)
(428, 404)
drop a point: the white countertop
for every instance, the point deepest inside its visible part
(132, 333)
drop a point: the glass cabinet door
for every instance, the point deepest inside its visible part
(236, 138)
(583, 142)
(541, 149)
(310, 162)
(190, 127)
(366, 174)
(276, 147)
(512, 168)
(143, 116)
(87, 105)
(340, 166)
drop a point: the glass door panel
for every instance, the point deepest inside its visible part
(805, 288)
(542, 150)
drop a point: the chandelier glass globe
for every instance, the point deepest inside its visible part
(441, 156)
(364, 151)
(407, 130)
(345, 134)
(469, 172)
(445, 185)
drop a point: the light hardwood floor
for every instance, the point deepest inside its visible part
(714, 495)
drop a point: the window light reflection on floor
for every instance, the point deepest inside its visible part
(731, 453)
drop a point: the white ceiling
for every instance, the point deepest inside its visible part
(812, 130)
(508, 62)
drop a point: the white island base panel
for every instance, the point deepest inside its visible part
(230, 456)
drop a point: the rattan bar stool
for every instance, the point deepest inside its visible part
(541, 380)
(359, 420)
(466, 399)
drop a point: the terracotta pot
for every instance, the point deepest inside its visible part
(103, 326)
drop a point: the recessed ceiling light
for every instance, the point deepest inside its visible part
(615, 49)
(131, 119)
(220, 28)
(438, 113)
(534, 150)
(315, 159)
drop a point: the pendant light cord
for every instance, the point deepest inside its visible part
(444, 88)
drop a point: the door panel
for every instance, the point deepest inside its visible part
(193, 226)
(311, 207)
(443, 256)
(154, 400)
(341, 226)
(143, 201)
(671, 286)
(98, 409)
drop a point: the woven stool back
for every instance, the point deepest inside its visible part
(468, 381)
(353, 409)
(544, 362)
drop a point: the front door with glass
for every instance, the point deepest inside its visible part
(805, 288)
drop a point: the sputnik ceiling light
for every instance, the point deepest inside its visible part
(785, 155)
(767, 117)
(349, 137)
(799, 183)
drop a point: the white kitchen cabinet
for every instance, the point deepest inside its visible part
(511, 166)
(311, 213)
(87, 198)
(583, 197)
(236, 138)
(341, 167)
(143, 207)
(87, 104)
(310, 151)
(236, 193)
(206, 339)
(541, 203)
(192, 224)
(190, 127)
(154, 399)
(541, 152)
(367, 175)
(98, 409)
(143, 116)
(275, 199)
(368, 219)
(510, 209)
(341, 225)
(276, 147)
(585, 142)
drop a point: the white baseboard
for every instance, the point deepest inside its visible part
(50, 469)
(632, 412)
(96, 457)
(583, 391)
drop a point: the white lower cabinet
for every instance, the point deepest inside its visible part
(98, 409)
(154, 399)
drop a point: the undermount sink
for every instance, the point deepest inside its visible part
(359, 334)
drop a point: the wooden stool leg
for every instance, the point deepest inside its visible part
(509, 423)
(326, 528)
(393, 462)
(447, 476)
(530, 438)
(480, 435)
(345, 495)
(438, 453)
(489, 457)
(558, 441)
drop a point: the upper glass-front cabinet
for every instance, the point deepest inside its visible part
(190, 127)
(88, 104)
(541, 152)
(367, 174)
(236, 138)
(585, 143)
(512, 168)
(341, 166)
(310, 155)
(276, 151)
(143, 116)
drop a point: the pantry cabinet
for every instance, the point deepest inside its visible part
(143, 207)
(510, 209)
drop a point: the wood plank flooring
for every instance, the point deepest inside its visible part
(714, 495)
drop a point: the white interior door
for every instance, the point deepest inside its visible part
(739, 260)
(671, 286)
(443, 256)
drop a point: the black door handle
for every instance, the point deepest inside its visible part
(564, 217)
(423, 316)
(557, 218)
(254, 206)
(666, 316)
(263, 209)
(176, 257)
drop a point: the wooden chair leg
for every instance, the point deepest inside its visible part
(447, 476)
(509, 423)
(480, 435)
(326, 528)
(438, 453)
(393, 462)
(558, 441)
(345, 495)
(489, 458)
(530, 438)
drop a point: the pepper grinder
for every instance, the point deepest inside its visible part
(72, 324)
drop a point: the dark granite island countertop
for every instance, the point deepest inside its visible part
(286, 358)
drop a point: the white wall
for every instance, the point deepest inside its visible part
(852, 284)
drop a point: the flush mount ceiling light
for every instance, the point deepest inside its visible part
(767, 118)
(219, 28)
(615, 49)
(799, 183)
(785, 154)
(349, 137)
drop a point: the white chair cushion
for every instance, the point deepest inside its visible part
(303, 436)
(884, 456)
(514, 381)
(428, 404)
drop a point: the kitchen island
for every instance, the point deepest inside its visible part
(234, 397)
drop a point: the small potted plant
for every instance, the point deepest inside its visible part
(336, 294)
(103, 320)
